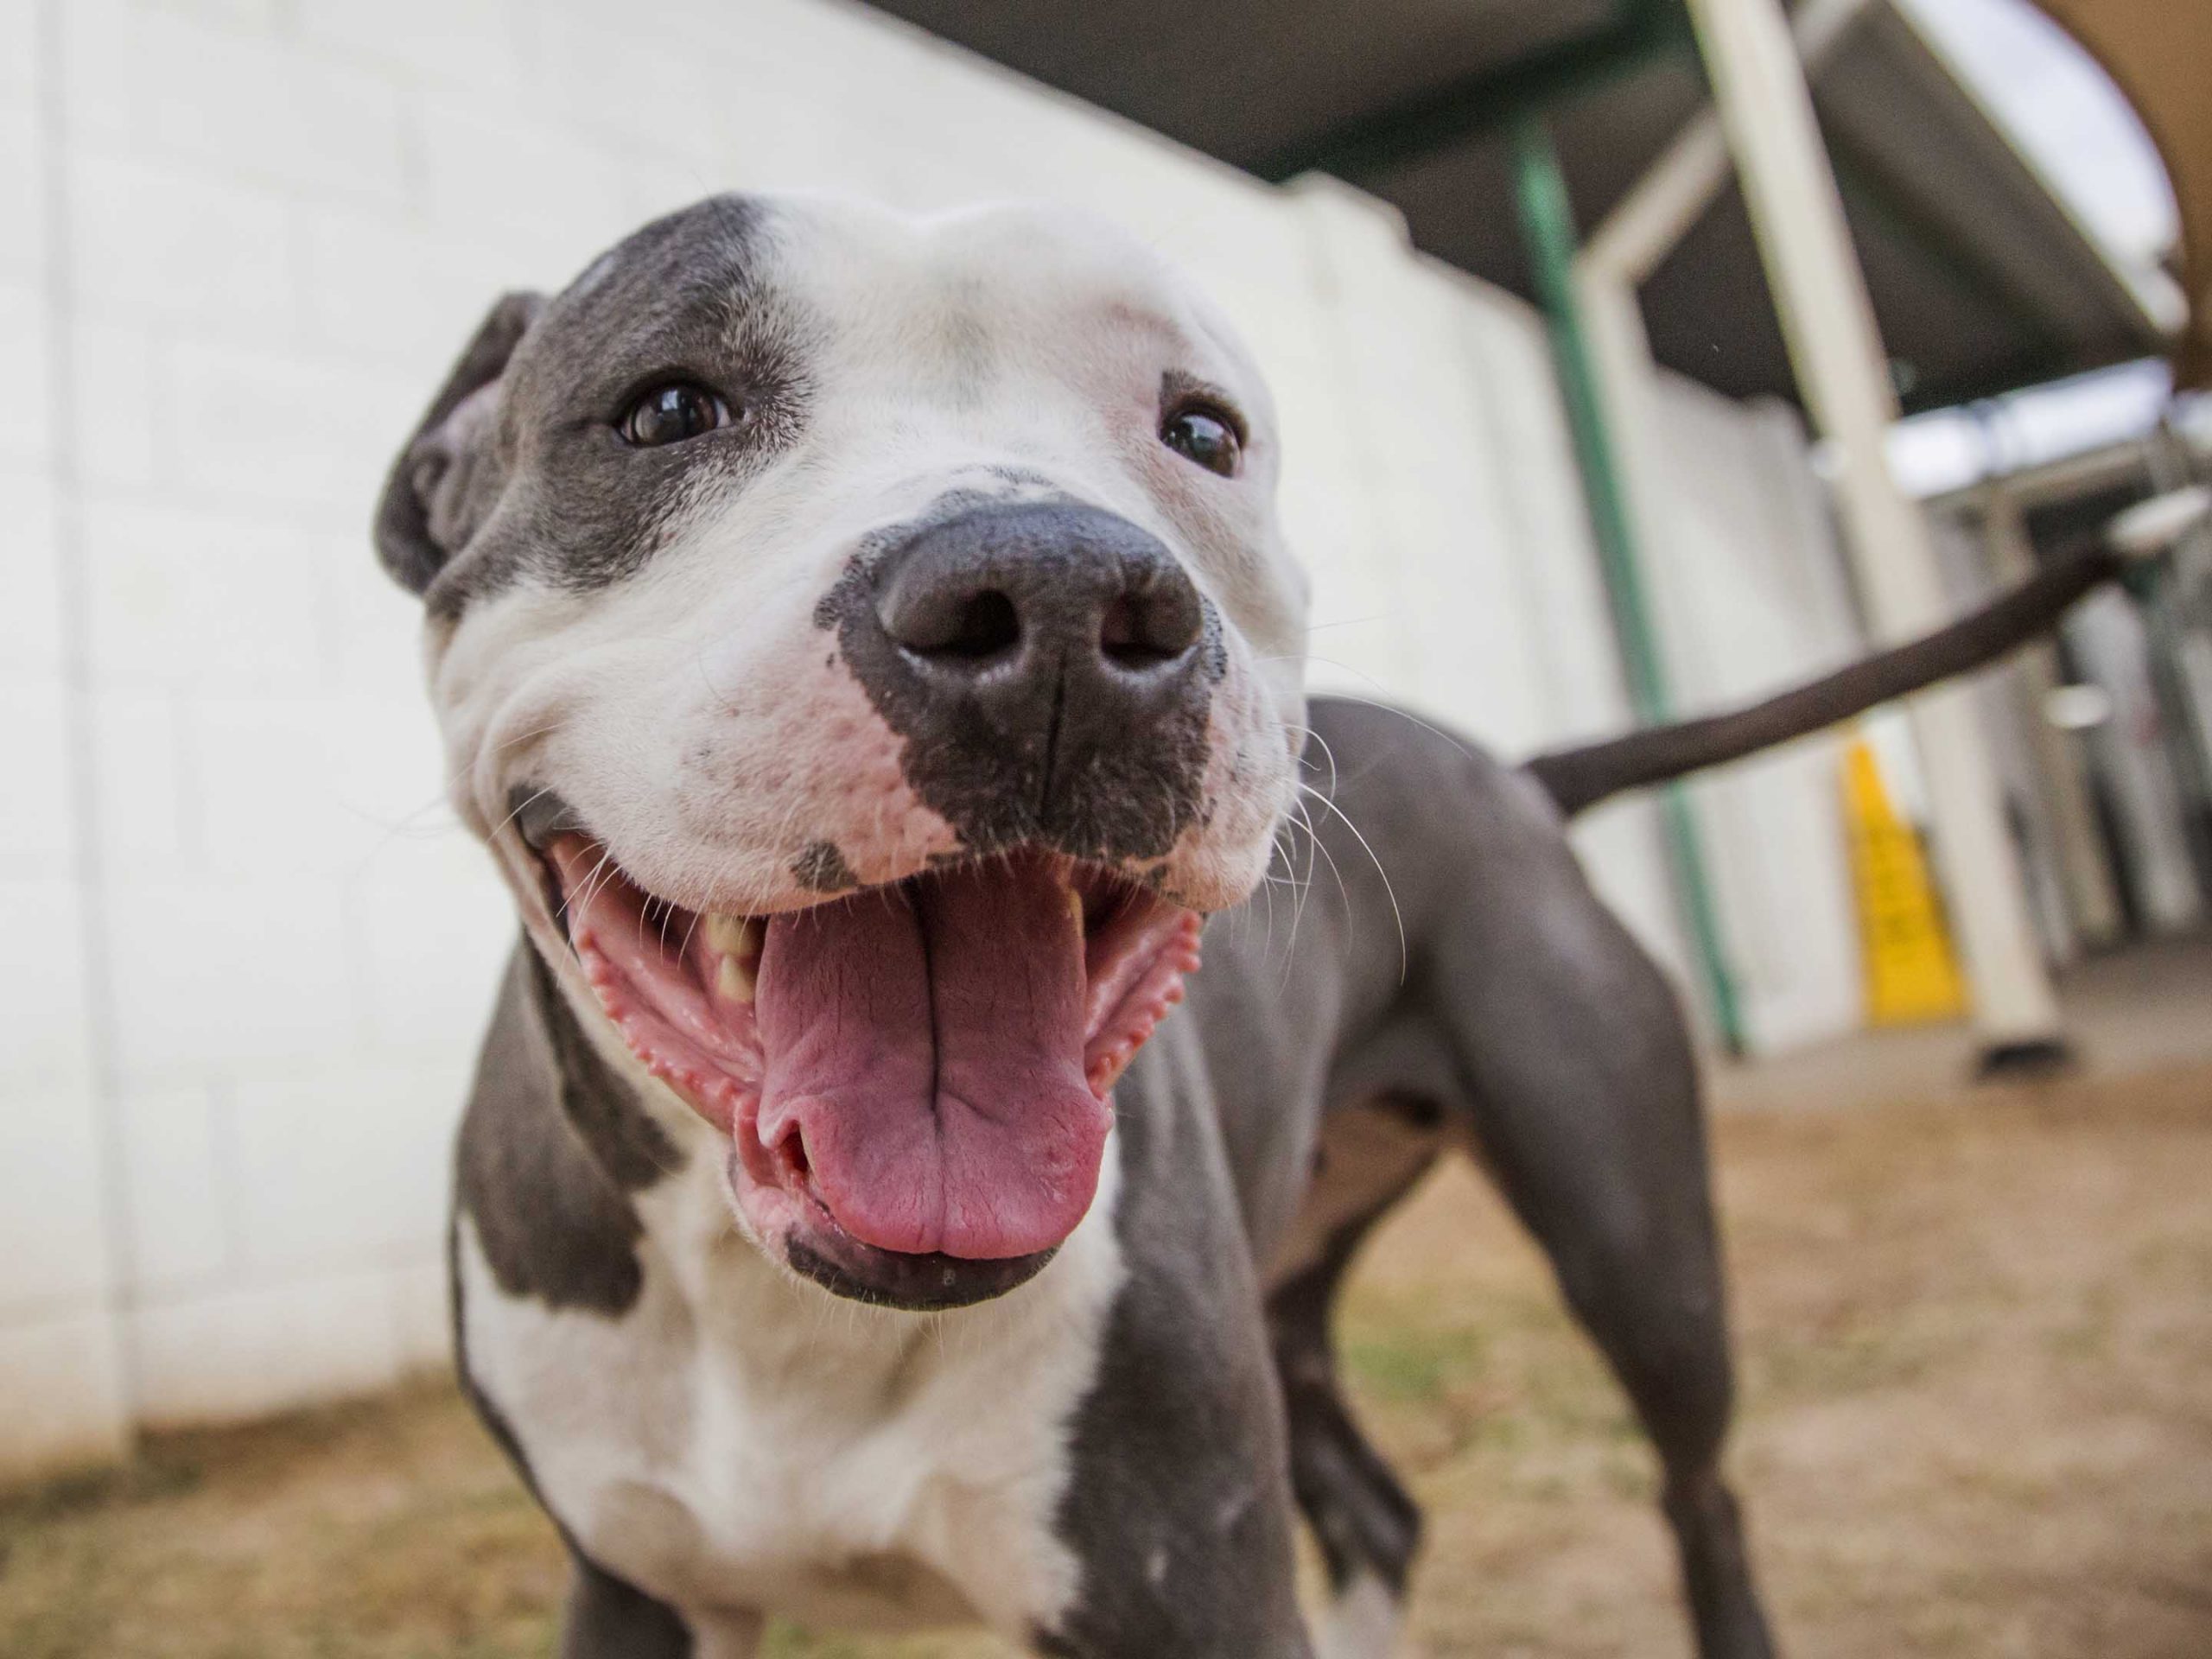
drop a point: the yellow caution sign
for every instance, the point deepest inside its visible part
(1912, 973)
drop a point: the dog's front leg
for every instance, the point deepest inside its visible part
(1178, 1507)
(1180, 1514)
(607, 1618)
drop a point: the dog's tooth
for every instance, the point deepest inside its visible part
(1075, 908)
(735, 979)
(734, 935)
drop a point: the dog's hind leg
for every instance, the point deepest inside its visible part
(1497, 983)
(1586, 1110)
(1654, 1306)
(1654, 1309)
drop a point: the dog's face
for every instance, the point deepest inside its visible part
(868, 646)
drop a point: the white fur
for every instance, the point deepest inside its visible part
(739, 1441)
(727, 1636)
(1363, 1622)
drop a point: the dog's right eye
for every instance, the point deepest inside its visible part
(671, 414)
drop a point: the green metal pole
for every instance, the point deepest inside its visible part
(1547, 229)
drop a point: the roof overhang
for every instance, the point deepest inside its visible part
(1982, 281)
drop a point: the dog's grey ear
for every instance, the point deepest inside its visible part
(437, 489)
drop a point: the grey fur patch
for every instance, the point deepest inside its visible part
(1178, 1504)
(551, 488)
(551, 1147)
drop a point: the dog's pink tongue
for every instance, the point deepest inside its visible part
(926, 1043)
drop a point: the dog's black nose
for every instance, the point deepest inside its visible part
(1018, 601)
(1051, 665)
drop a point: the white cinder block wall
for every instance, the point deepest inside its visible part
(248, 953)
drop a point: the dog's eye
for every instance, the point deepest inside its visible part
(1205, 435)
(671, 414)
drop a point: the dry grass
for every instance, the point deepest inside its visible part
(1977, 1346)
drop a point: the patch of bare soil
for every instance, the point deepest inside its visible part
(1976, 1340)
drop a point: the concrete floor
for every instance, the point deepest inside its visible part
(2137, 1010)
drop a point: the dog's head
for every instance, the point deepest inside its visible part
(868, 646)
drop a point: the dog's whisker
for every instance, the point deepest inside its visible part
(1267, 943)
(601, 872)
(1327, 753)
(518, 810)
(395, 829)
(1406, 714)
(1298, 910)
(1313, 852)
(399, 827)
(1405, 951)
(1319, 849)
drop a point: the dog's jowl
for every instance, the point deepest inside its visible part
(867, 649)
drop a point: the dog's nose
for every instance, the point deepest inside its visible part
(1050, 664)
(1043, 598)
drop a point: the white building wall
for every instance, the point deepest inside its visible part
(1747, 600)
(1475, 593)
(61, 1397)
(249, 954)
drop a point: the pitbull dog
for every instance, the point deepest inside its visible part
(868, 650)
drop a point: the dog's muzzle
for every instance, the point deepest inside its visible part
(915, 1078)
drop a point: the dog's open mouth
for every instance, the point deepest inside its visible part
(924, 1067)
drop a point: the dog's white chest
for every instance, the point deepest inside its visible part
(736, 1441)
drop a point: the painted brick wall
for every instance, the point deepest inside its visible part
(249, 955)
(61, 1372)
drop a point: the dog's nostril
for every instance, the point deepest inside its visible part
(949, 621)
(1125, 640)
(1142, 630)
(997, 604)
(987, 625)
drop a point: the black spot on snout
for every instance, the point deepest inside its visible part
(1050, 665)
(821, 869)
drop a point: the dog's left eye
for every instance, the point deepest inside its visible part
(671, 414)
(1205, 435)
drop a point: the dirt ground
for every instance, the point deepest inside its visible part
(1976, 1337)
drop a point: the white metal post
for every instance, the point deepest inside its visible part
(1631, 242)
(1836, 349)
(1658, 211)
(2093, 902)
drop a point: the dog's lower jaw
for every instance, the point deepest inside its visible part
(786, 1221)
(916, 1284)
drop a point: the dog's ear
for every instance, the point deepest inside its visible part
(437, 491)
